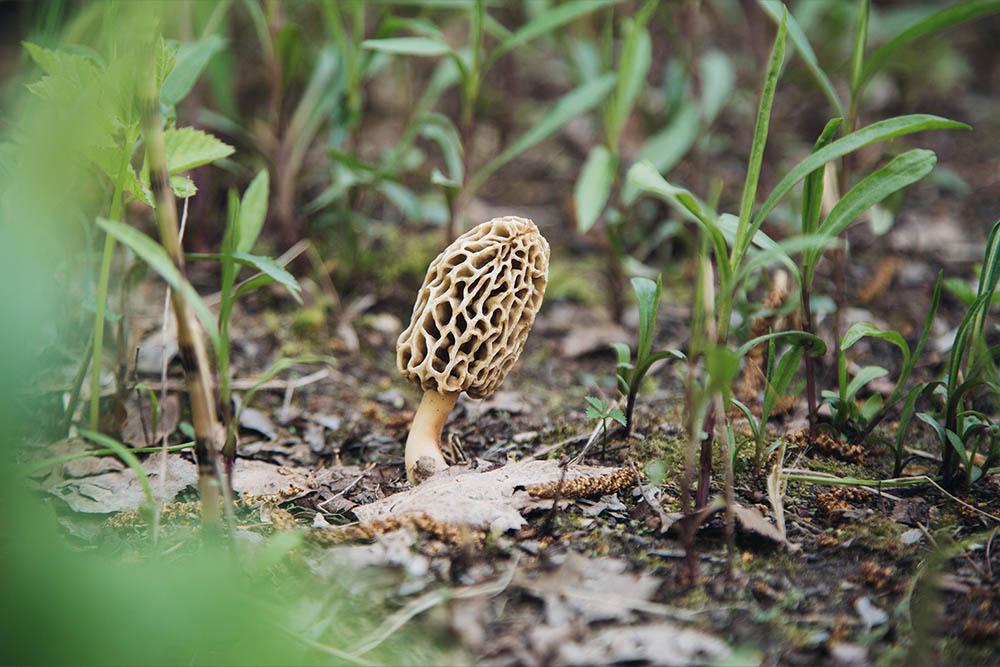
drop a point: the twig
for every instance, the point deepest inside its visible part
(583, 452)
(429, 600)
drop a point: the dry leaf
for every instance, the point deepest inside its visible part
(139, 424)
(122, 491)
(490, 500)
(659, 643)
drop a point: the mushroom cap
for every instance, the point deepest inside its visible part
(475, 308)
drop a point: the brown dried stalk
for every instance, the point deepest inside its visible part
(209, 433)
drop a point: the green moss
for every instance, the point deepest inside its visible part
(876, 533)
(658, 447)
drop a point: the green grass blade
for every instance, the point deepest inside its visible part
(546, 23)
(635, 59)
(810, 343)
(593, 187)
(192, 58)
(744, 233)
(408, 46)
(880, 131)
(669, 146)
(941, 20)
(775, 9)
(128, 458)
(156, 257)
(253, 210)
(574, 103)
(858, 52)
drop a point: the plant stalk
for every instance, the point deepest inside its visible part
(209, 433)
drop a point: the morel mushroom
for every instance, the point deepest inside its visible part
(470, 321)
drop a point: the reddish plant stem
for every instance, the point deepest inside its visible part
(705, 460)
(807, 326)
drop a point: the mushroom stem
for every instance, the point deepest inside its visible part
(423, 445)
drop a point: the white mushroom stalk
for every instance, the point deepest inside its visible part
(469, 325)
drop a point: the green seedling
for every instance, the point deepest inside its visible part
(472, 63)
(962, 431)
(600, 409)
(631, 370)
(778, 377)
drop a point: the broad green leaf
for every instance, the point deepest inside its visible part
(775, 9)
(188, 148)
(593, 187)
(192, 58)
(647, 295)
(156, 257)
(902, 171)
(717, 80)
(747, 201)
(623, 353)
(598, 404)
(945, 18)
(580, 100)
(594, 413)
(861, 330)
(669, 146)
(723, 365)
(880, 131)
(617, 415)
(547, 23)
(863, 377)
(253, 210)
(420, 26)
(408, 46)
(871, 406)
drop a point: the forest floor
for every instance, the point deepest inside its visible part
(583, 580)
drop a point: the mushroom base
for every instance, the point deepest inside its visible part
(423, 444)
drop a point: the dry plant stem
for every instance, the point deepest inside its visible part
(164, 362)
(209, 434)
(424, 440)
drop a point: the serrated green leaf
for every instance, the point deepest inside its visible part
(253, 210)
(598, 404)
(187, 148)
(192, 58)
(574, 103)
(593, 187)
(183, 187)
(617, 415)
(156, 257)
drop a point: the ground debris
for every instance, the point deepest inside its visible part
(492, 500)
(661, 643)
